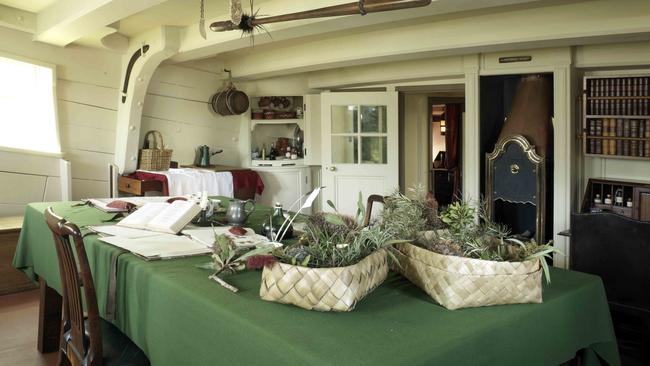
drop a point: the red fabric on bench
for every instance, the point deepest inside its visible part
(245, 182)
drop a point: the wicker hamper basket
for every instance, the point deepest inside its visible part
(154, 157)
(324, 289)
(457, 282)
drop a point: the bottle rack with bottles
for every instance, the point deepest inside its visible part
(616, 121)
(627, 198)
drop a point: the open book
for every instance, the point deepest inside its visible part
(162, 216)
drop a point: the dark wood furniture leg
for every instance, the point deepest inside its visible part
(49, 318)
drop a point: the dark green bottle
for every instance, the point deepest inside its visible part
(270, 227)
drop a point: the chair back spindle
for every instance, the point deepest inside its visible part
(372, 199)
(81, 341)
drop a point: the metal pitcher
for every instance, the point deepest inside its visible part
(237, 213)
(203, 155)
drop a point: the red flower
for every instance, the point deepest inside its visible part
(259, 261)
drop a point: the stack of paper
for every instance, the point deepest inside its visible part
(159, 246)
(206, 235)
(124, 232)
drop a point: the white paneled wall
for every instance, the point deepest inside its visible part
(177, 105)
(87, 96)
(416, 144)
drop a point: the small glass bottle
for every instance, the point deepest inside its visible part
(598, 200)
(629, 203)
(608, 199)
(618, 197)
(273, 153)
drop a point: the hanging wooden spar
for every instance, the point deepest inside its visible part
(250, 22)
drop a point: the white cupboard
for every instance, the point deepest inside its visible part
(312, 144)
(284, 185)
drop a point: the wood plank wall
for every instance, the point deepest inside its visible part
(177, 105)
(87, 97)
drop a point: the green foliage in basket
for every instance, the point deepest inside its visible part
(485, 239)
(406, 216)
(335, 240)
(460, 230)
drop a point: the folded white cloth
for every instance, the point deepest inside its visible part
(187, 181)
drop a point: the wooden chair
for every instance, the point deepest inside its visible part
(373, 198)
(85, 339)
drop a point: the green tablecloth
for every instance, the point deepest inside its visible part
(179, 317)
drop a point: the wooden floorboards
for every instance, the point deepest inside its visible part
(19, 329)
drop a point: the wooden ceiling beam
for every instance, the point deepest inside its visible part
(17, 19)
(66, 21)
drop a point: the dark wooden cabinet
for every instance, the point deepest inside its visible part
(622, 194)
(642, 197)
(442, 185)
(617, 249)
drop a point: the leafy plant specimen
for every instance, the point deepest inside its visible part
(228, 259)
(407, 216)
(336, 240)
(462, 230)
(485, 239)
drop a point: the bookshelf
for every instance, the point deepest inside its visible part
(616, 122)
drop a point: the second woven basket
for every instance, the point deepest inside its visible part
(458, 282)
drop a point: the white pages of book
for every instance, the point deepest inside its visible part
(161, 246)
(162, 217)
(124, 232)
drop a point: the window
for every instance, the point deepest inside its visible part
(359, 134)
(27, 113)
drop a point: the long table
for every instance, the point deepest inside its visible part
(178, 316)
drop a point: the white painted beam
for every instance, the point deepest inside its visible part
(552, 26)
(17, 19)
(163, 42)
(66, 21)
(193, 46)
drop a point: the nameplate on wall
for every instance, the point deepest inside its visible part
(511, 59)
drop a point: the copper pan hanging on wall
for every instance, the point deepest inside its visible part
(229, 101)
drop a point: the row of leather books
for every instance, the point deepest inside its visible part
(630, 137)
(619, 96)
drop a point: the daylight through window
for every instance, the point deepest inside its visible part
(27, 113)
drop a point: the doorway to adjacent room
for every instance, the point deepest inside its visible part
(431, 121)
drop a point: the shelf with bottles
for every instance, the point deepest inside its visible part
(609, 196)
(277, 145)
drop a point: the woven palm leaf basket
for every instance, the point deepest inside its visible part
(324, 289)
(457, 282)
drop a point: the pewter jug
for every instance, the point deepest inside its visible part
(237, 213)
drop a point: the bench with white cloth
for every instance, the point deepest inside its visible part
(188, 180)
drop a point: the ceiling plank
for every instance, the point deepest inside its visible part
(66, 21)
(17, 19)
(193, 46)
(553, 26)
